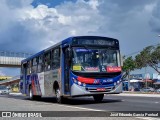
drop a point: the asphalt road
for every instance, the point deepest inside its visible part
(110, 103)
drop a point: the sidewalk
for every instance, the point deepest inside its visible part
(138, 94)
(16, 94)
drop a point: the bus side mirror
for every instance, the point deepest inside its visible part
(121, 60)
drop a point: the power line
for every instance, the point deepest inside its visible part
(140, 50)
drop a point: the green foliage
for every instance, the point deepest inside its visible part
(144, 57)
(128, 64)
(149, 56)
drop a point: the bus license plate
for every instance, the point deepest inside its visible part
(101, 89)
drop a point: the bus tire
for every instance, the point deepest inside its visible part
(37, 97)
(33, 97)
(59, 98)
(98, 98)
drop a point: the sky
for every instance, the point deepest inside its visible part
(33, 25)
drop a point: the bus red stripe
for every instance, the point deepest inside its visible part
(85, 80)
(33, 87)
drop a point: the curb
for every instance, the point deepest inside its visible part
(138, 95)
(15, 94)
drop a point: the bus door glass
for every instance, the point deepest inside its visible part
(66, 70)
(24, 77)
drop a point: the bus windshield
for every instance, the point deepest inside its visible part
(94, 59)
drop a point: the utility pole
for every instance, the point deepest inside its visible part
(146, 76)
(128, 79)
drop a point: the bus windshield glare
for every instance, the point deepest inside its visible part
(94, 59)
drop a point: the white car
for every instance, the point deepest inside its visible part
(148, 89)
(158, 90)
(4, 89)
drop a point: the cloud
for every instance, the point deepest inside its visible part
(129, 21)
(155, 19)
(35, 28)
(28, 28)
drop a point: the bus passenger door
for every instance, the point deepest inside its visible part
(66, 72)
(24, 78)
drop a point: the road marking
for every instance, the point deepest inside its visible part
(148, 118)
(144, 118)
(81, 108)
(137, 95)
(156, 102)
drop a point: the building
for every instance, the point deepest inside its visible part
(139, 81)
(5, 77)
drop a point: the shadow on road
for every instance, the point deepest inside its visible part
(78, 101)
(69, 101)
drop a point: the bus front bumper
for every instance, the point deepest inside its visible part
(77, 90)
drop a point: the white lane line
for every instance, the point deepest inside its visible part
(148, 118)
(137, 95)
(156, 102)
(144, 118)
(81, 108)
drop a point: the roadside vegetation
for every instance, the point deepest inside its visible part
(149, 56)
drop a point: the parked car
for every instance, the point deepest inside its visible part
(4, 89)
(136, 89)
(157, 90)
(148, 89)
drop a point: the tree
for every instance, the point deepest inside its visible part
(128, 65)
(149, 56)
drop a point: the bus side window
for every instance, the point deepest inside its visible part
(40, 64)
(28, 68)
(34, 65)
(22, 68)
(56, 58)
(47, 61)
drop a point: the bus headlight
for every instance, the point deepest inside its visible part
(114, 83)
(118, 82)
(79, 83)
(74, 80)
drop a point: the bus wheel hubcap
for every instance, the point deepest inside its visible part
(58, 94)
(30, 93)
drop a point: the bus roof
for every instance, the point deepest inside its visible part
(65, 41)
(35, 55)
(43, 51)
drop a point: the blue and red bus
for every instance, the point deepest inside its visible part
(76, 66)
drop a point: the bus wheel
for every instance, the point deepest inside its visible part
(37, 97)
(98, 98)
(59, 98)
(33, 97)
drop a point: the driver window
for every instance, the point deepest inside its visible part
(109, 58)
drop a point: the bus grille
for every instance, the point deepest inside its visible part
(97, 75)
(91, 89)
